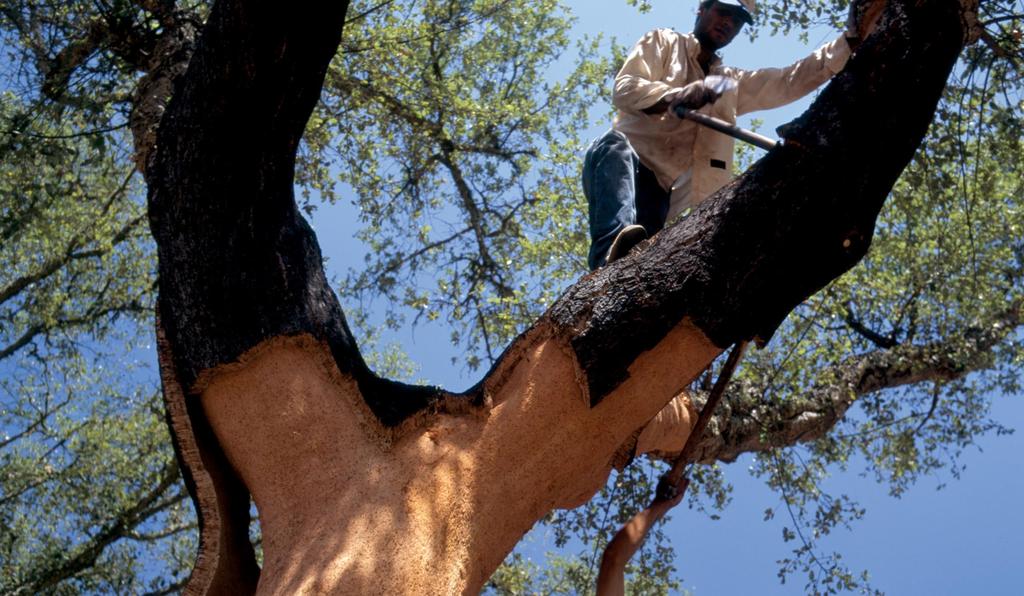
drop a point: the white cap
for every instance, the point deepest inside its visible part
(746, 8)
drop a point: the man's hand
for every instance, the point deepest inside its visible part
(693, 96)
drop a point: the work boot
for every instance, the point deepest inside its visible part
(627, 238)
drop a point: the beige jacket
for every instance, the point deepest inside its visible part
(689, 159)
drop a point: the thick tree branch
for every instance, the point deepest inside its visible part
(749, 424)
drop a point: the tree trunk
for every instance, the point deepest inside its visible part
(365, 485)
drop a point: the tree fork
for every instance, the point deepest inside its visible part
(364, 484)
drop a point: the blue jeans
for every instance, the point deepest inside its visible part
(620, 192)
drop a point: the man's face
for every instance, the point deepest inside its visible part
(717, 25)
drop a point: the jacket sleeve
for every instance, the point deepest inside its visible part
(768, 88)
(639, 83)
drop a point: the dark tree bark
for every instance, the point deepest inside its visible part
(238, 262)
(240, 270)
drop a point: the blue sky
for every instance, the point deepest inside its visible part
(967, 538)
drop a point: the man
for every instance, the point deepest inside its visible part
(652, 165)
